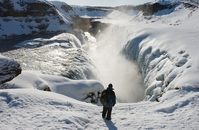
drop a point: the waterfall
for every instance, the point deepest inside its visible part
(113, 67)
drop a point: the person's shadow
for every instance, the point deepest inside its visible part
(110, 125)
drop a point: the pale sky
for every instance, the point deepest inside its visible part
(104, 2)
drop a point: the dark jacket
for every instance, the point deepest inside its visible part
(110, 98)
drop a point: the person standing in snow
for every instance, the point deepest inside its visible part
(110, 102)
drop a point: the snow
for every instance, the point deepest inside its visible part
(65, 86)
(25, 109)
(166, 50)
(67, 16)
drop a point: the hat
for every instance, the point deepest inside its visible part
(110, 86)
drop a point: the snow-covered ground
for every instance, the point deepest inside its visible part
(25, 109)
(164, 47)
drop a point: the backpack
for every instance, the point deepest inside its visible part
(103, 98)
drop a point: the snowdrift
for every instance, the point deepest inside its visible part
(77, 89)
(35, 109)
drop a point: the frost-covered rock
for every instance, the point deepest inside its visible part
(24, 17)
(151, 7)
(9, 69)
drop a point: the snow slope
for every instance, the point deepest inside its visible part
(24, 109)
(167, 53)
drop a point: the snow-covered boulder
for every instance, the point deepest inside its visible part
(77, 89)
(9, 69)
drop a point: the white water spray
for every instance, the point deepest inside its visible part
(113, 68)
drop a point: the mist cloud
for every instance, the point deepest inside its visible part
(113, 68)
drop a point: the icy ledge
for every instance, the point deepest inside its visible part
(166, 59)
